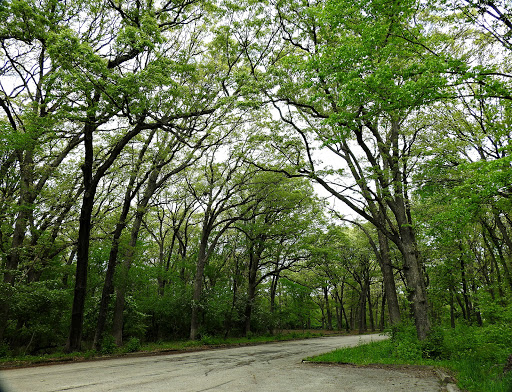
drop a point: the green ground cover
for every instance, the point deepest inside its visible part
(110, 349)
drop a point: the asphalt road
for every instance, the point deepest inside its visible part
(265, 368)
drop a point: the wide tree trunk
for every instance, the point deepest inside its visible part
(255, 251)
(388, 279)
(198, 286)
(82, 250)
(417, 292)
(18, 237)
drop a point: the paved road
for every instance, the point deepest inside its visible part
(264, 368)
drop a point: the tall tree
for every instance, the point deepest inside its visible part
(278, 231)
(348, 79)
(219, 189)
(34, 136)
(120, 89)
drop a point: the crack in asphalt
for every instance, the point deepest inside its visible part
(215, 386)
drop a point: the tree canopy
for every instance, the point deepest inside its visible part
(161, 166)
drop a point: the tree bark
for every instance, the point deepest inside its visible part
(327, 308)
(90, 184)
(82, 252)
(370, 307)
(255, 250)
(118, 319)
(108, 286)
(198, 285)
(388, 279)
(417, 293)
(18, 236)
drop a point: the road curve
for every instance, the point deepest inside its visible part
(275, 367)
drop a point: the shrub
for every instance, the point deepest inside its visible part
(4, 351)
(108, 345)
(206, 339)
(433, 346)
(133, 345)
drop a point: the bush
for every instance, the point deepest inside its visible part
(133, 345)
(208, 340)
(108, 345)
(433, 346)
(4, 351)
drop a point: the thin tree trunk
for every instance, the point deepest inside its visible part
(382, 311)
(499, 249)
(108, 286)
(362, 309)
(327, 308)
(118, 319)
(370, 307)
(465, 294)
(495, 269)
(452, 309)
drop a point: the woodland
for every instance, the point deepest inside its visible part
(190, 168)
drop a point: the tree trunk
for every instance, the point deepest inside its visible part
(273, 292)
(18, 237)
(255, 251)
(382, 312)
(118, 319)
(198, 285)
(499, 249)
(417, 293)
(370, 307)
(388, 279)
(108, 286)
(465, 294)
(82, 251)
(327, 308)
(362, 309)
(452, 309)
(198, 280)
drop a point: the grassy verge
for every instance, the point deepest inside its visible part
(135, 347)
(475, 355)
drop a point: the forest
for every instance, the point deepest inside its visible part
(188, 168)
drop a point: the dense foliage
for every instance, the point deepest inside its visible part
(161, 165)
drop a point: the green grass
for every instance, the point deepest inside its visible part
(475, 355)
(134, 346)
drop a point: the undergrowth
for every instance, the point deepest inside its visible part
(109, 348)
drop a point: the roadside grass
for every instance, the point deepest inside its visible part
(474, 355)
(134, 347)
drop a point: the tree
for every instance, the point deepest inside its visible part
(115, 92)
(349, 78)
(219, 190)
(277, 233)
(32, 134)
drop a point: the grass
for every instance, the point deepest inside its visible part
(475, 355)
(133, 346)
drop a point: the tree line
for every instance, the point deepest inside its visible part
(158, 162)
